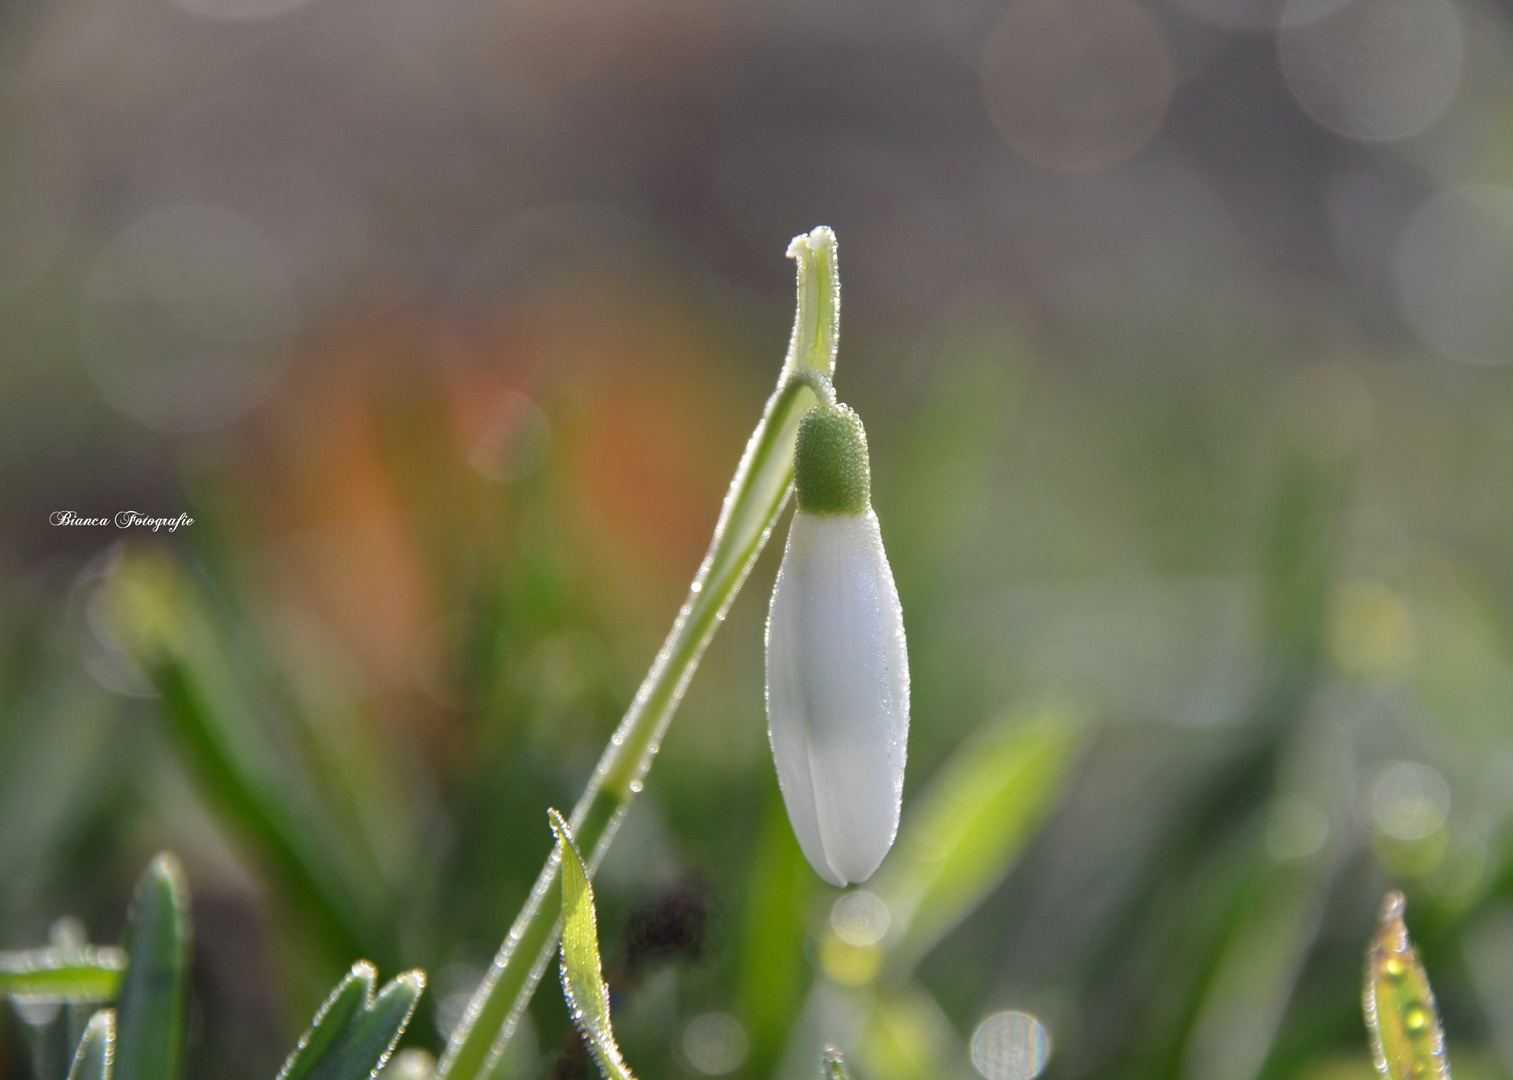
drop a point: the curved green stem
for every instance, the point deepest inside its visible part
(756, 497)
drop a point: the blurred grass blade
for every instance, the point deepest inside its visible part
(1406, 1039)
(95, 1057)
(582, 980)
(240, 766)
(354, 1032)
(833, 1065)
(154, 995)
(757, 494)
(62, 976)
(772, 971)
(970, 825)
(1275, 925)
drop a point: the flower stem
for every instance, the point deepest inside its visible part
(757, 495)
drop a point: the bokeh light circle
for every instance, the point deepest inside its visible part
(1372, 69)
(1010, 1045)
(187, 319)
(1076, 85)
(715, 1044)
(1406, 800)
(859, 918)
(1454, 273)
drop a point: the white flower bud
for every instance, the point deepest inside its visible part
(837, 664)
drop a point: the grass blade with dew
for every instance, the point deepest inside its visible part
(582, 978)
(355, 1031)
(155, 992)
(758, 492)
(95, 1058)
(833, 1065)
(61, 975)
(1407, 1042)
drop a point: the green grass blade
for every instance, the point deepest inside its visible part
(63, 976)
(155, 992)
(348, 998)
(833, 1065)
(222, 732)
(1406, 1039)
(582, 980)
(971, 824)
(354, 1032)
(95, 1058)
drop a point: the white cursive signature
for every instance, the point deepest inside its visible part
(126, 519)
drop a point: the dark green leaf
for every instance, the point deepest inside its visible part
(154, 994)
(354, 1032)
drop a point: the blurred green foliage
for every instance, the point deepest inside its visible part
(1200, 670)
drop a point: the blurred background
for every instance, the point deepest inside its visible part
(1180, 328)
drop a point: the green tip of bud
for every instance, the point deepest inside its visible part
(830, 467)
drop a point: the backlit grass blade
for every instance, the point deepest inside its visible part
(95, 1058)
(1406, 1039)
(970, 826)
(582, 981)
(155, 992)
(833, 1065)
(62, 976)
(355, 1031)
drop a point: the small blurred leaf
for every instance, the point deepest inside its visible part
(235, 749)
(95, 1057)
(1406, 1039)
(354, 1032)
(582, 982)
(773, 970)
(971, 824)
(154, 994)
(62, 975)
(833, 1065)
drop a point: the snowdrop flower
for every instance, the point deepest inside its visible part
(837, 666)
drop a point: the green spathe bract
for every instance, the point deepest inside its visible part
(831, 473)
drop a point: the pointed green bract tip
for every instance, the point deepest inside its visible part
(831, 472)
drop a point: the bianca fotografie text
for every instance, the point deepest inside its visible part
(126, 519)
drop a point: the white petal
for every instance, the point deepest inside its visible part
(838, 693)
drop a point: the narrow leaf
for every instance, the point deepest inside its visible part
(1406, 1039)
(95, 1058)
(970, 826)
(582, 982)
(154, 994)
(354, 1031)
(59, 975)
(345, 1001)
(833, 1065)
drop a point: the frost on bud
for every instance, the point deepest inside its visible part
(837, 664)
